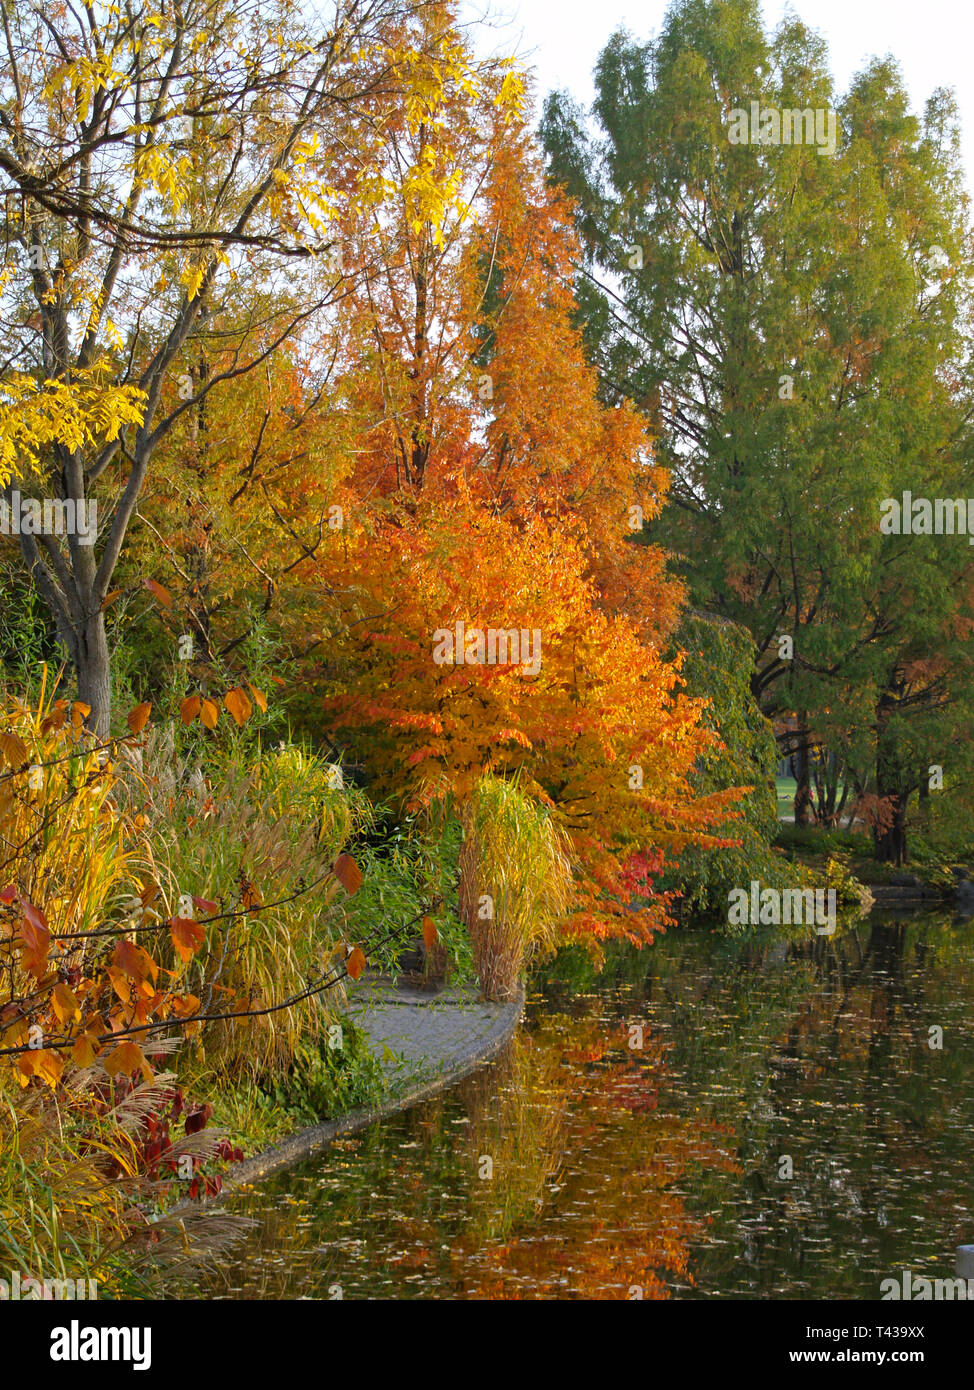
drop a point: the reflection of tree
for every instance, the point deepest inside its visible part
(597, 1115)
(517, 1120)
(874, 1122)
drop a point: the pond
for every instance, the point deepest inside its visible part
(710, 1117)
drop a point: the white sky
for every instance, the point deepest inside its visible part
(561, 39)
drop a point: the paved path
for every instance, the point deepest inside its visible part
(416, 1034)
(425, 1042)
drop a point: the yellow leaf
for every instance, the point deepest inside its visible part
(65, 1003)
(13, 749)
(83, 1052)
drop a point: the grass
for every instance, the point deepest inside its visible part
(322, 1084)
(516, 881)
(785, 789)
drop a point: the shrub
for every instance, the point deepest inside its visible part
(256, 835)
(410, 870)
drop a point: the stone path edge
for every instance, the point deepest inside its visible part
(306, 1143)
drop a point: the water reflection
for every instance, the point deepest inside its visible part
(711, 1117)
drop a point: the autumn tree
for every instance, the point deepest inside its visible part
(155, 166)
(493, 493)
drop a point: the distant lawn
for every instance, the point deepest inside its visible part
(786, 795)
(785, 787)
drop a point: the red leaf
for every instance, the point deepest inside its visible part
(187, 936)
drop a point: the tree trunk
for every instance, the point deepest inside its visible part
(889, 845)
(803, 795)
(95, 675)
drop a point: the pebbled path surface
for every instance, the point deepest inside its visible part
(416, 1034)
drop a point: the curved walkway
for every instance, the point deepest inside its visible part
(424, 1044)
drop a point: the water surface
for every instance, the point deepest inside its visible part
(710, 1117)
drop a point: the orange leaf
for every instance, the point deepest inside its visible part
(185, 1005)
(139, 717)
(348, 873)
(238, 705)
(355, 963)
(109, 599)
(430, 934)
(79, 713)
(120, 983)
(137, 964)
(190, 708)
(57, 717)
(163, 595)
(36, 939)
(187, 936)
(34, 915)
(83, 1052)
(44, 1064)
(148, 894)
(209, 714)
(127, 1058)
(249, 897)
(260, 699)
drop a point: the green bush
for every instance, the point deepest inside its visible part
(406, 868)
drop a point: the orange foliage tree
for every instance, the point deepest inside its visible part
(491, 489)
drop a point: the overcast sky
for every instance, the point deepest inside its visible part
(561, 39)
